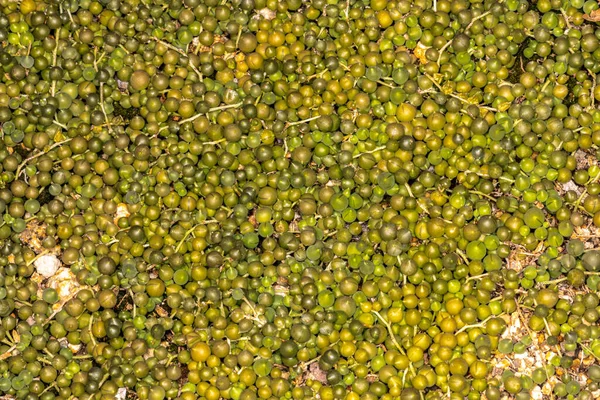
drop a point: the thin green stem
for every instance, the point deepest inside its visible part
(390, 331)
(302, 121)
(463, 256)
(37, 257)
(552, 282)
(470, 278)
(393, 339)
(55, 122)
(432, 79)
(477, 325)
(376, 149)
(188, 233)
(133, 301)
(41, 153)
(225, 107)
(183, 53)
(8, 352)
(55, 58)
(103, 108)
(485, 14)
(53, 385)
(448, 43)
(386, 84)
(487, 196)
(82, 357)
(589, 351)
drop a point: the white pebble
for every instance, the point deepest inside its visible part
(47, 265)
(121, 394)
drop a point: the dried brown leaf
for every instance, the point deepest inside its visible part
(594, 16)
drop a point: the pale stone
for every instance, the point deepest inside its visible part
(47, 265)
(121, 394)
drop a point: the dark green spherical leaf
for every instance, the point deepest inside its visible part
(129, 268)
(18, 383)
(313, 253)
(17, 136)
(262, 367)
(8, 127)
(251, 240)
(237, 294)
(386, 181)
(476, 250)
(326, 298)
(5, 384)
(591, 261)
(26, 62)
(534, 218)
(366, 268)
